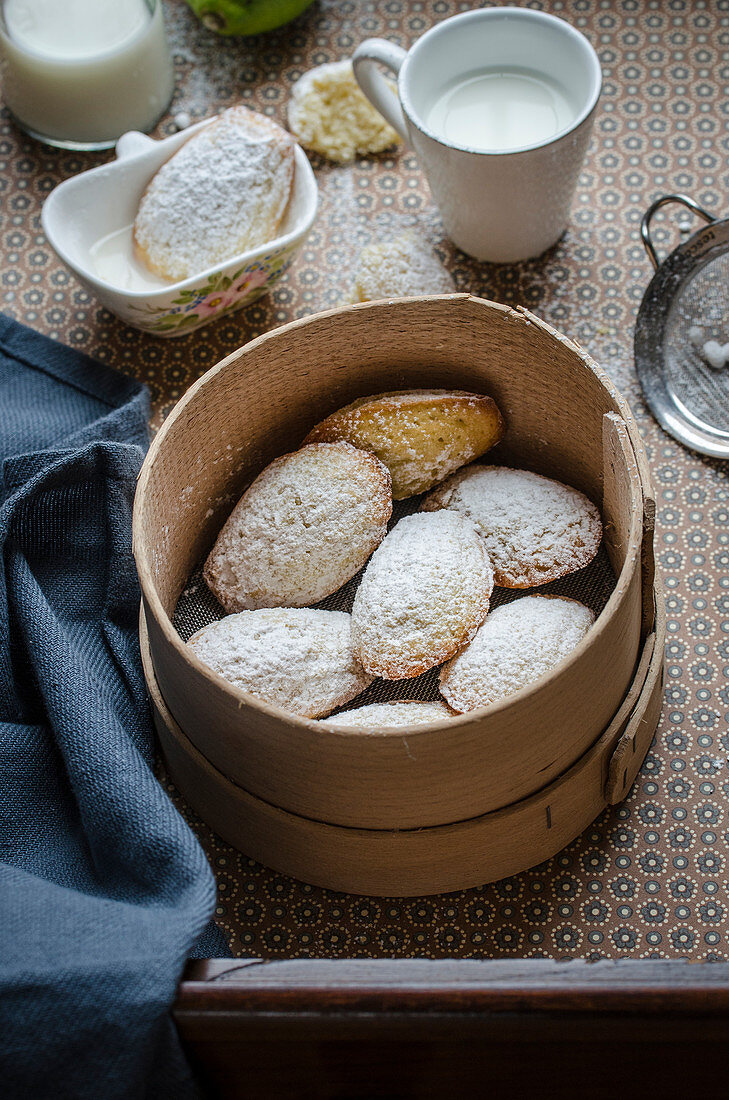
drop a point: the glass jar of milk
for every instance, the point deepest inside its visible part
(80, 73)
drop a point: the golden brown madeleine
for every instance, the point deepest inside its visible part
(422, 436)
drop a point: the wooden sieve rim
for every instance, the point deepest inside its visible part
(153, 604)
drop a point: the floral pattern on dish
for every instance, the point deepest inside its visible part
(221, 293)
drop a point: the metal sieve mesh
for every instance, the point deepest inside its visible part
(685, 307)
(593, 585)
(702, 302)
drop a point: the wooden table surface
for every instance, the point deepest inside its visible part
(649, 879)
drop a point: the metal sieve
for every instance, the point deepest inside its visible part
(686, 306)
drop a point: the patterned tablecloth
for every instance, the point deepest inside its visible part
(650, 877)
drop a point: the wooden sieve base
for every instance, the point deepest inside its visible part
(437, 859)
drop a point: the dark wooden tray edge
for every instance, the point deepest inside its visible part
(418, 1027)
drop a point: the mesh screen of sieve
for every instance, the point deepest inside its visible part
(197, 607)
(699, 313)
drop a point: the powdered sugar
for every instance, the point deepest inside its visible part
(517, 644)
(398, 715)
(535, 529)
(296, 658)
(400, 267)
(225, 191)
(424, 594)
(305, 526)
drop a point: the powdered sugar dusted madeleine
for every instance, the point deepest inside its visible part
(396, 715)
(308, 522)
(225, 191)
(297, 658)
(399, 267)
(535, 529)
(517, 644)
(422, 436)
(422, 597)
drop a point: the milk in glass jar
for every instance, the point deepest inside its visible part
(78, 74)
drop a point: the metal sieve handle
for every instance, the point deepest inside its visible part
(665, 200)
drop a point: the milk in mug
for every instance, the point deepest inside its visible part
(497, 110)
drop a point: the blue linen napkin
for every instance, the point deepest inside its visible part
(104, 891)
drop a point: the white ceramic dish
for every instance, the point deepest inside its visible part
(88, 219)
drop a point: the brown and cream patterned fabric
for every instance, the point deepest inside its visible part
(650, 877)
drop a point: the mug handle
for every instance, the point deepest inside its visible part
(374, 85)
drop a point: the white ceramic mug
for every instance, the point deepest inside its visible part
(501, 203)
